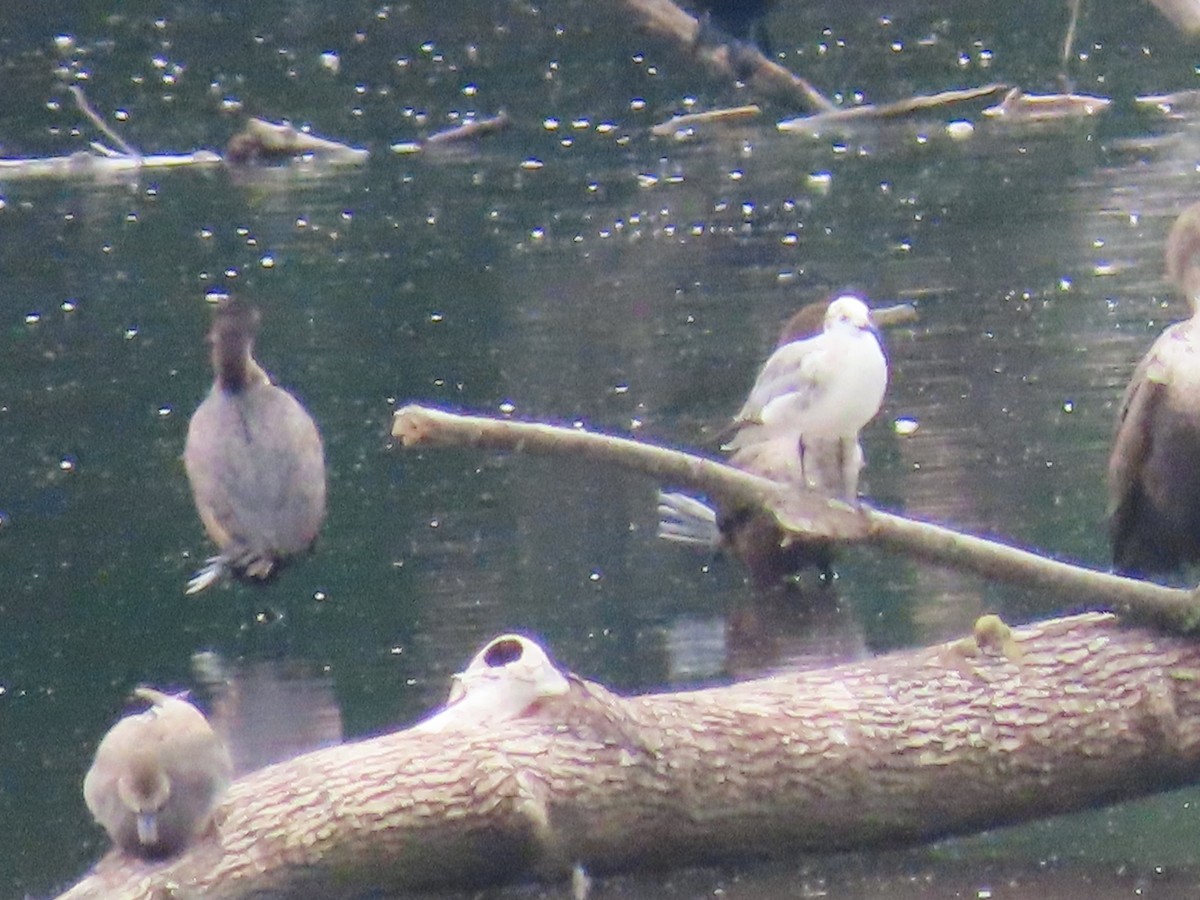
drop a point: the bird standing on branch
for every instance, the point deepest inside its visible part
(799, 427)
(815, 394)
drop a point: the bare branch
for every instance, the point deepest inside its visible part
(666, 20)
(1172, 608)
(94, 118)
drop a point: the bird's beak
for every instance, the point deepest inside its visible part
(147, 829)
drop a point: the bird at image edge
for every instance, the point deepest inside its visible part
(1154, 467)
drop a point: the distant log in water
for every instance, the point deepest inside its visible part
(992, 729)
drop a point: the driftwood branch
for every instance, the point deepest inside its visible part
(1175, 609)
(259, 140)
(683, 124)
(743, 62)
(879, 111)
(530, 772)
(468, 131)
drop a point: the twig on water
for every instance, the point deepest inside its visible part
(94, 118)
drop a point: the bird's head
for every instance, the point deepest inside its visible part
(144, 791)
(848, 311)
(1183, 254)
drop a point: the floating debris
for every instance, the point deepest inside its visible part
(676, 124)
(263, 141)
(1172, 105)
(1021, 107)
(475, 128)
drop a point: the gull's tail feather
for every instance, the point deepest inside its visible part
(686, 520)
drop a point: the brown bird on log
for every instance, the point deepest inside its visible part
(799, 426)
(1154, 469)
(157, 777)
(254, 460)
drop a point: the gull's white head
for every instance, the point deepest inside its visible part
(847, 310)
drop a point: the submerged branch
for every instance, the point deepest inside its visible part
(259, 140)
(1171, 608)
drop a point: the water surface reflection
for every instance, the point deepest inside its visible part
(576, 269)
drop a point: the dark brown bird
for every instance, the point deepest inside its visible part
(254, 459)
(1154, 469)
(157, 777)
(744, 20)
(790, 436)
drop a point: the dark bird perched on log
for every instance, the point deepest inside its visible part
(157, 777)
(799, 426)
(254, 459)
(744, 20)
(1154, 469)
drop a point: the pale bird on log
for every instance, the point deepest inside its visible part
(800, 425)
(157, 777)
(1154, 468)
(254, 460)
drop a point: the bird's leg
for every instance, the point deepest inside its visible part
(850, 461)
(808, 483)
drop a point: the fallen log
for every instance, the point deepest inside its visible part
(534, 774)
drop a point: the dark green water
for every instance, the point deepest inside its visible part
(578, 269)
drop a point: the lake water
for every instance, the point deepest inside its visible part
(578, 269)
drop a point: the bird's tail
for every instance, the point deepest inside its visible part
(686, 520)
(215, 569)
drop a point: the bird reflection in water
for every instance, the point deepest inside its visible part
(1154, 468)
(254, 460)
(799, 427)
(267, 711)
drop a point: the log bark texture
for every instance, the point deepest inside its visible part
(907, 747)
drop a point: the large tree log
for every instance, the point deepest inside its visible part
(559, 772)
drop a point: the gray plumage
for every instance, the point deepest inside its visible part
(254, 459)
(157, 777)
(799, 426)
